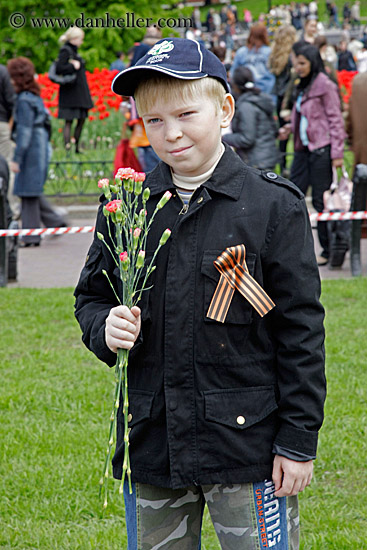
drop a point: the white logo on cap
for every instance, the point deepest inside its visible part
(163, 47)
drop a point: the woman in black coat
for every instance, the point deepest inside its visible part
(74, 98)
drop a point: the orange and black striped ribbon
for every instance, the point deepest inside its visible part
(235, 275)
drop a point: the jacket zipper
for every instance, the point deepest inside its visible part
(184, 209)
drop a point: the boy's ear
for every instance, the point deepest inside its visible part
(227, 111)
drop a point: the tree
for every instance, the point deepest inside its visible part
(33, 31)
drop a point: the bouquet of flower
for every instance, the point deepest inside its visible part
(127, 212)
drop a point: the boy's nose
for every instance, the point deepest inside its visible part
(173, 132)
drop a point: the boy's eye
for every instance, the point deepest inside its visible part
(186, 113)
(153, 120)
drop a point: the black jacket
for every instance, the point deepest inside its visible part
(254, 130)
(191, 378)
(77, 93)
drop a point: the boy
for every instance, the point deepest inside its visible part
(225, 405)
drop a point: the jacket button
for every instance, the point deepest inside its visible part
(272, 175)
(129, 417)
(240, 420)
(172, 405)
(200, 200)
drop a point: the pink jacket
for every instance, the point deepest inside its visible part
(321, 107)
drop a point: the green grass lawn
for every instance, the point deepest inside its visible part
(55, 400)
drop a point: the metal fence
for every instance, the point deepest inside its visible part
(70, 178)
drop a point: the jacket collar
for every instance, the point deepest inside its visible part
(318, 86)
(227, 178)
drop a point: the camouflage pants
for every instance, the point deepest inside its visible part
(245, 517)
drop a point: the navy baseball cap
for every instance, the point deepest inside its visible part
(176, 57)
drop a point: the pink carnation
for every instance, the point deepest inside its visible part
(113, 206)
(103, 183)
(139, 176)
(137, 232)
(125, 173)
(123, 256)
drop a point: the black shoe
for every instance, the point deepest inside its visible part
(321, 260)
(22, 244)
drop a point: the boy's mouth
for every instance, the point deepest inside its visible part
(180, 150)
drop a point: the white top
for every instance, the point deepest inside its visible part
(187, 185)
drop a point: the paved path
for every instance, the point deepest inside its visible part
(59, 260)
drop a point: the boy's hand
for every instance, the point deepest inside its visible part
(122, 327)
(291, 477)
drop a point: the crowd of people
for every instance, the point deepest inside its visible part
(274, 97)
(296, 74)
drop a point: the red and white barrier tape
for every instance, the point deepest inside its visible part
(315, 217)
(46, 231)
(331, 216)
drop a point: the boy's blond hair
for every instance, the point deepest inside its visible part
(168, 88)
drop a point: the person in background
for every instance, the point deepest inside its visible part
(255, 56)
(280, 64)
(304, 13)
(355, 14)
(4, 177)
(290, 92)
(253, 127)
(356, 123)
(7, 99)
(328, 55)
(118, 64)
(346, 13)
(247, 18)
(361, 57)
(31, 155)
(356, 126)
(147, 157)
(310, 30)
(313, 8)
(151, 36)
(296, 16)
(318, 130)
(209, 23)
(345, 58)
(333, 19)
(74, 98)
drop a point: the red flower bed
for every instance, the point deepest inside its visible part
(345, 79)
(99, 82)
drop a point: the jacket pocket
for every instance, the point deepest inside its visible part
(140, 407)
(240, 311)
(239, 409)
